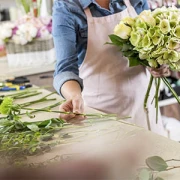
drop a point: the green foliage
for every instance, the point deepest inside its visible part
(156, 163)
(159, 178)
(6, 105)
(144, 174)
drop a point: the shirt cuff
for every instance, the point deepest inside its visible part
(63, 77)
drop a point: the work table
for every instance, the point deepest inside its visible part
(39, 76)
(111, 130)
(6, 71)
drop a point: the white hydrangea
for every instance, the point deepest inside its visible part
(44, 33)
(6, 31)
(26, 33)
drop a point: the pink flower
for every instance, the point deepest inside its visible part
(14, 30)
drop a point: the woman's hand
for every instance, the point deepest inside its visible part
(74, 105)
(163, 71)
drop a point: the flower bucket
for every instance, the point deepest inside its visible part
(36, 53)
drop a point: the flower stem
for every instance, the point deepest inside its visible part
(172, 160)
(174, 167)
(89, 115)
(43, 99)
(171, 89)
(145, 102)
(157, 98)
(37, 101)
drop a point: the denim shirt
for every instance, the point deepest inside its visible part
(70, 34)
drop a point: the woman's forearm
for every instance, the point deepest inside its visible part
(71, 89)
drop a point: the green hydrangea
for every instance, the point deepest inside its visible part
(6, 105)
(155, 36)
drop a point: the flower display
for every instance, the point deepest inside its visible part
(26, 29)
(151, 39)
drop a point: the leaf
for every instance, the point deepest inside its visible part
(33, 127)
(49, 124)
(46, 137)
(156, 163)
(30, 115)
(43, 123)
(134, 61)
(126, 47)
(128, 53)
(19, 125)
(144, 174)
(116, 40)
(159, 178)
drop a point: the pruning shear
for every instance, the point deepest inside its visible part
(18, 80)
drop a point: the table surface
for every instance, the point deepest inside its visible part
(7, 72)
(106, 133)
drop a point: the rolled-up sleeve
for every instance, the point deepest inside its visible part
(64, 36)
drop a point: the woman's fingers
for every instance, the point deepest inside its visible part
(66, 107)
(78, 105)
(74, 107)
(163, 71)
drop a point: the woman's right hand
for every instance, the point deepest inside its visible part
(74, 105)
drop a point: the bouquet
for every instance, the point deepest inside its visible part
(151, 39)
(26, 29)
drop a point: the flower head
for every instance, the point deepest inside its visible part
(122, 30)
(6, 105)
(146, 16)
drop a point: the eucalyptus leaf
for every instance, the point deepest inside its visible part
(159, 178)
(156, 163)
(144, 174)
(33, 127)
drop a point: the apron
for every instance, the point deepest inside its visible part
(110, 85)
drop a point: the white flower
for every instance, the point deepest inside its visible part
(1, 42)
(44, 33)
(46, 20)
(27, 32)
(16, 39)
(23, 40)
(5, 33)
(9, 25)
(28, 28)
(122, 30)
(33, 31)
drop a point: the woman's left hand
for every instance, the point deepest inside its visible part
(163, 71)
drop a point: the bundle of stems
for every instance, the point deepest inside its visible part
(156, 96)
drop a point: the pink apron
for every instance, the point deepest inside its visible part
(109, 84)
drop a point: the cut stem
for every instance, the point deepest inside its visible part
(171, 89)
(157, 98)
(49, 110)
(145, 102)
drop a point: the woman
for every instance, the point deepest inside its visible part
(80, 30)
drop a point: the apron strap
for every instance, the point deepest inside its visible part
(127, 3)
(88, 14)
(130, 8)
